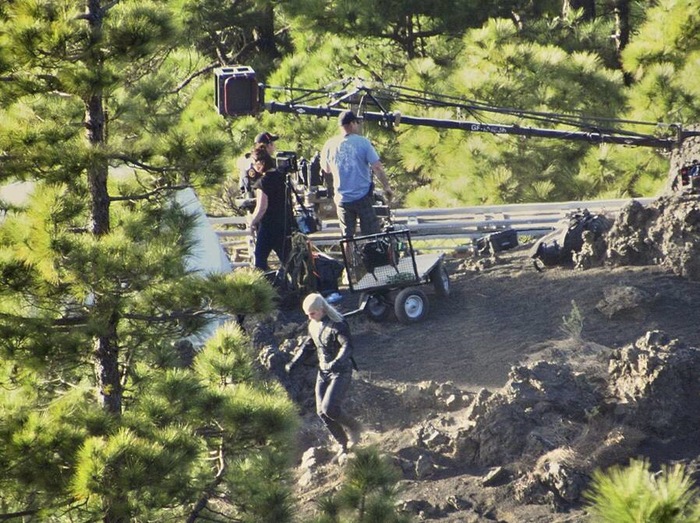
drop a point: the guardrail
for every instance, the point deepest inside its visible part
(530, 219)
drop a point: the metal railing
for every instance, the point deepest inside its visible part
(460, 223)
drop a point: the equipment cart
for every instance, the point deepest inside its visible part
(386, 271)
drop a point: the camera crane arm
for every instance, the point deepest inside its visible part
(237, 93)
(393, 119)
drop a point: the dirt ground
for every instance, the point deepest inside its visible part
(493, 319)
(496, 317)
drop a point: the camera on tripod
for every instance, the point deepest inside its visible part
(286, 162)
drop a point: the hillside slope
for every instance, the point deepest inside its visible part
(422, 378)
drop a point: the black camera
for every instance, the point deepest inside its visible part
(286, 162)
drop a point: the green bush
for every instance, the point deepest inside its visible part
(636, 495)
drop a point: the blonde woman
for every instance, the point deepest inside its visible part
(329, 337)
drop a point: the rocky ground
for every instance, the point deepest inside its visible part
(500, 405)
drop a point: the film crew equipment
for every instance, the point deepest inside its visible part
(310, 172)
(236, 91)
(286, 162)
(689, 178)
(306, 221)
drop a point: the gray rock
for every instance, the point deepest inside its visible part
(425, 466)
(495, 476)
(656, 381)
(623, 299)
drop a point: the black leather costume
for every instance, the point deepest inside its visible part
(333, 347)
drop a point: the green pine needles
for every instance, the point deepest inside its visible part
(636, 495)
(368, 493)
(572, 325)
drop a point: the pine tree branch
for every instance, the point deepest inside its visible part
(166, 318)
(194, 75)
(145, 166)
(12, 515)
(210, 490)
(223, 59)
(148, 195)
(70, 321)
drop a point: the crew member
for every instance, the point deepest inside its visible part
(248, 175)
(351, 159)
(272, 217)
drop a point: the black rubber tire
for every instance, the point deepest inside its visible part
(440, 279)
(411, 305)
(377, 308)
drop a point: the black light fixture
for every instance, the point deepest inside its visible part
(236, 91)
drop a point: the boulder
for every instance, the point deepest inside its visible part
(623, 299)
(536, 396)
(656, 384)
(667, 232)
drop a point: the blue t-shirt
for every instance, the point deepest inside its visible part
(349, 158)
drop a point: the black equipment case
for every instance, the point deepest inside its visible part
(496, 241)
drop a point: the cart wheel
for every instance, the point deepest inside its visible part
(411, 305)
(377, 308)
(440, 280)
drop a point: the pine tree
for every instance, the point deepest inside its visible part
(408, 25)
(502, 67)
(662, 59)
(107, 413)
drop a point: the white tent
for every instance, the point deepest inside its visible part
(208, 256)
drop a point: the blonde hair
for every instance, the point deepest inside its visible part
(316, 302)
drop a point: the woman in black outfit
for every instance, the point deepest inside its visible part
(329, 335)
(272, 217)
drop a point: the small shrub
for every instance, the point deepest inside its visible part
(572, 325)
(635, 495)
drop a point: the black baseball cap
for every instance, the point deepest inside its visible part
(266, 138)
(347, 117)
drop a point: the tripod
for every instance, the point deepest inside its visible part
(306, 221)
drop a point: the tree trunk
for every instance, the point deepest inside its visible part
(97, 170)
(95, 127)
(265, 33)
(105, 346)
(409, 38)
(622, 33)
(106, 353)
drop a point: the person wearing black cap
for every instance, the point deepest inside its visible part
(248, 175)
(351, 159)
(272, 217)
(269, 140)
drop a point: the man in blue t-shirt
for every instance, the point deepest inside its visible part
(351, 159)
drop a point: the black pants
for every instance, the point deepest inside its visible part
(363, 210)
(331, 388)
(271, 239)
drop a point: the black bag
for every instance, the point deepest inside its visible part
(327, 271)
(306, 222)
(379, 253)
(559, 246)
(496, 242)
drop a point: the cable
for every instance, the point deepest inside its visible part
(353, 91)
